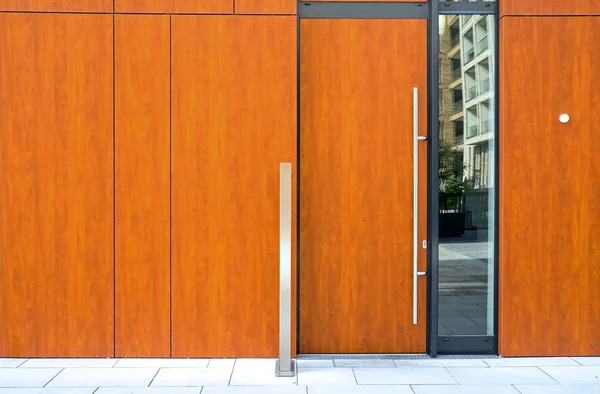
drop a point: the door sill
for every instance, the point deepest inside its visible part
(360, 356)
(419, 356)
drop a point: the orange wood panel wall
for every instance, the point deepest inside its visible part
(57, 5)
(56, 194)
(176, 6)
(265, 6)
(550, 7)
(142, 148)
(550, 187)
(357, 185)
(234, 121)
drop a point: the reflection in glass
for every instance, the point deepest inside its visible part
(466, 188)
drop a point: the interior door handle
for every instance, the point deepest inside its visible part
(416, 272)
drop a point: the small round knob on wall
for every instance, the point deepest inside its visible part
(564, 118)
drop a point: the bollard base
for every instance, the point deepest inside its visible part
(287, 372)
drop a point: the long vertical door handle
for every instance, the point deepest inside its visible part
(416, 140)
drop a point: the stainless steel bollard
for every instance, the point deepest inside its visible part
(285, 365)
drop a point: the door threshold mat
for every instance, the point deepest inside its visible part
(394, 356)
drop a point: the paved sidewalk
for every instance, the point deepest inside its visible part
(345, 376)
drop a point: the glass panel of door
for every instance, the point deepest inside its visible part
(467, 176)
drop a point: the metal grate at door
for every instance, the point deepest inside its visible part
(468, 356)
(393, 357)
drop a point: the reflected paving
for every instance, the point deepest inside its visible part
(463, 296)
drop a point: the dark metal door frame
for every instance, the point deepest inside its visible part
(356, 10)
(454, 344)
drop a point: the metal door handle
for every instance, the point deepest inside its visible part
(417, 138)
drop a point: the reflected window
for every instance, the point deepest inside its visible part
(468, 46)
(484, 75)
(466, 176)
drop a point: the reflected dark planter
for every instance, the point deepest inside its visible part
(452, 225)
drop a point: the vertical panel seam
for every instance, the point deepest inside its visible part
(170, 186)
(114, 77)
(298, 200)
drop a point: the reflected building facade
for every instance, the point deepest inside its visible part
(467, 155)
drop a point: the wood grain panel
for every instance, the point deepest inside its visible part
(176, 6)
(57, 5)
(265, 6)
(56, 194)
(143, 260)
(234, 121)
(549, 7)
(356, 185)
(550, 187)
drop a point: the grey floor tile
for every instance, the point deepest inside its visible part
(326, 377)
(195, 377)
(443, 362)
(255, 390)
(474, 389)
(574, 374)
(443, 330)
(472, 311)
(364, 363)
(363, 389)
(11, 362)
(457, 321)
(587, 360)
(103, 377)
(467, 329)
(559, 389)
(315, 363)
(70, 363)
(498, 376)
(87, 390)
(530, 362)
(474, 299)
(33, 377)
(445, 313)
(149, 390)
(404, 375)
(257, 372)
(222, 363)
(162, 363)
